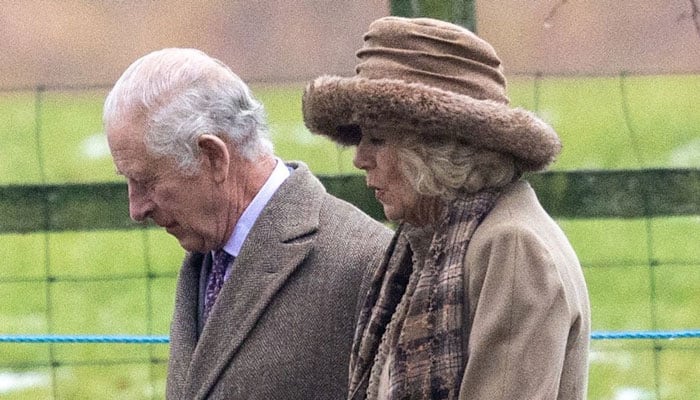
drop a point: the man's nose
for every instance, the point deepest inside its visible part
(140, 205)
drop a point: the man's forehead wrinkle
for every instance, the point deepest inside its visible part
(129, 158)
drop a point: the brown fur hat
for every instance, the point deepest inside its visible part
(431, 78)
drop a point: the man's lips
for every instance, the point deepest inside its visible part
(169, 226)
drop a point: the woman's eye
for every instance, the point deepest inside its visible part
(377, 141)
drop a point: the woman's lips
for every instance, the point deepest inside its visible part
(379, 194)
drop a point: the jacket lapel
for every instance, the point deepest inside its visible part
(280, 240)
(183, 331)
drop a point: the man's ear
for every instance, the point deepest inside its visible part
(215, 154)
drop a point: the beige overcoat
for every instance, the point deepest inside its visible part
(283, 323)
(529, 314)
(527, 311)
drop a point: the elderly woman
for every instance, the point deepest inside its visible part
(480, 295)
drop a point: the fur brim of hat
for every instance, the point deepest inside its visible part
(333, 105)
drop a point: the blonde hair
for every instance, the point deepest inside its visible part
(447, 168)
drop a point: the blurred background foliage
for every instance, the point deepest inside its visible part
(627, 101)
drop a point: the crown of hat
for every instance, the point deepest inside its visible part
(433, 79)
(434, 53)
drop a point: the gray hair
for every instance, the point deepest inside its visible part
(181, 94)
(448, 169)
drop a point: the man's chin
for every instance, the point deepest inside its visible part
(192, 246)
(191, 243)
(185, 244)
(181, 238)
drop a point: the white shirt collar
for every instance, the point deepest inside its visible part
(251, 213)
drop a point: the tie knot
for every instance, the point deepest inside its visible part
(222, 257)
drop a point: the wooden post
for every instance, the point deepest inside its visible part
(461, 12)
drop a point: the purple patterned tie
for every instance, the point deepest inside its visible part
(216, 279)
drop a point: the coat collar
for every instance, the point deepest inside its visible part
(279, 241)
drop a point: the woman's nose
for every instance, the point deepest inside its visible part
(363, 158)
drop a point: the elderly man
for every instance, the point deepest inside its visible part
(268, 292)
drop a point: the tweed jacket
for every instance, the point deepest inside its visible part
(283, 323)
(526, 304)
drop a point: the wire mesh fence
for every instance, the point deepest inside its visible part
(86, 295)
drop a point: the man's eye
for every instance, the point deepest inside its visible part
(140, 183)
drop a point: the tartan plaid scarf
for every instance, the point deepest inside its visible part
(416, 314)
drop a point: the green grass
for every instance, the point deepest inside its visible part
(101, 280)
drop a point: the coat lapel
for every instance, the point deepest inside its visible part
(183, 331)
(280, 240)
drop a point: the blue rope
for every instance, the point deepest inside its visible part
(84, 339)
(601, 335)
(668, 335)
